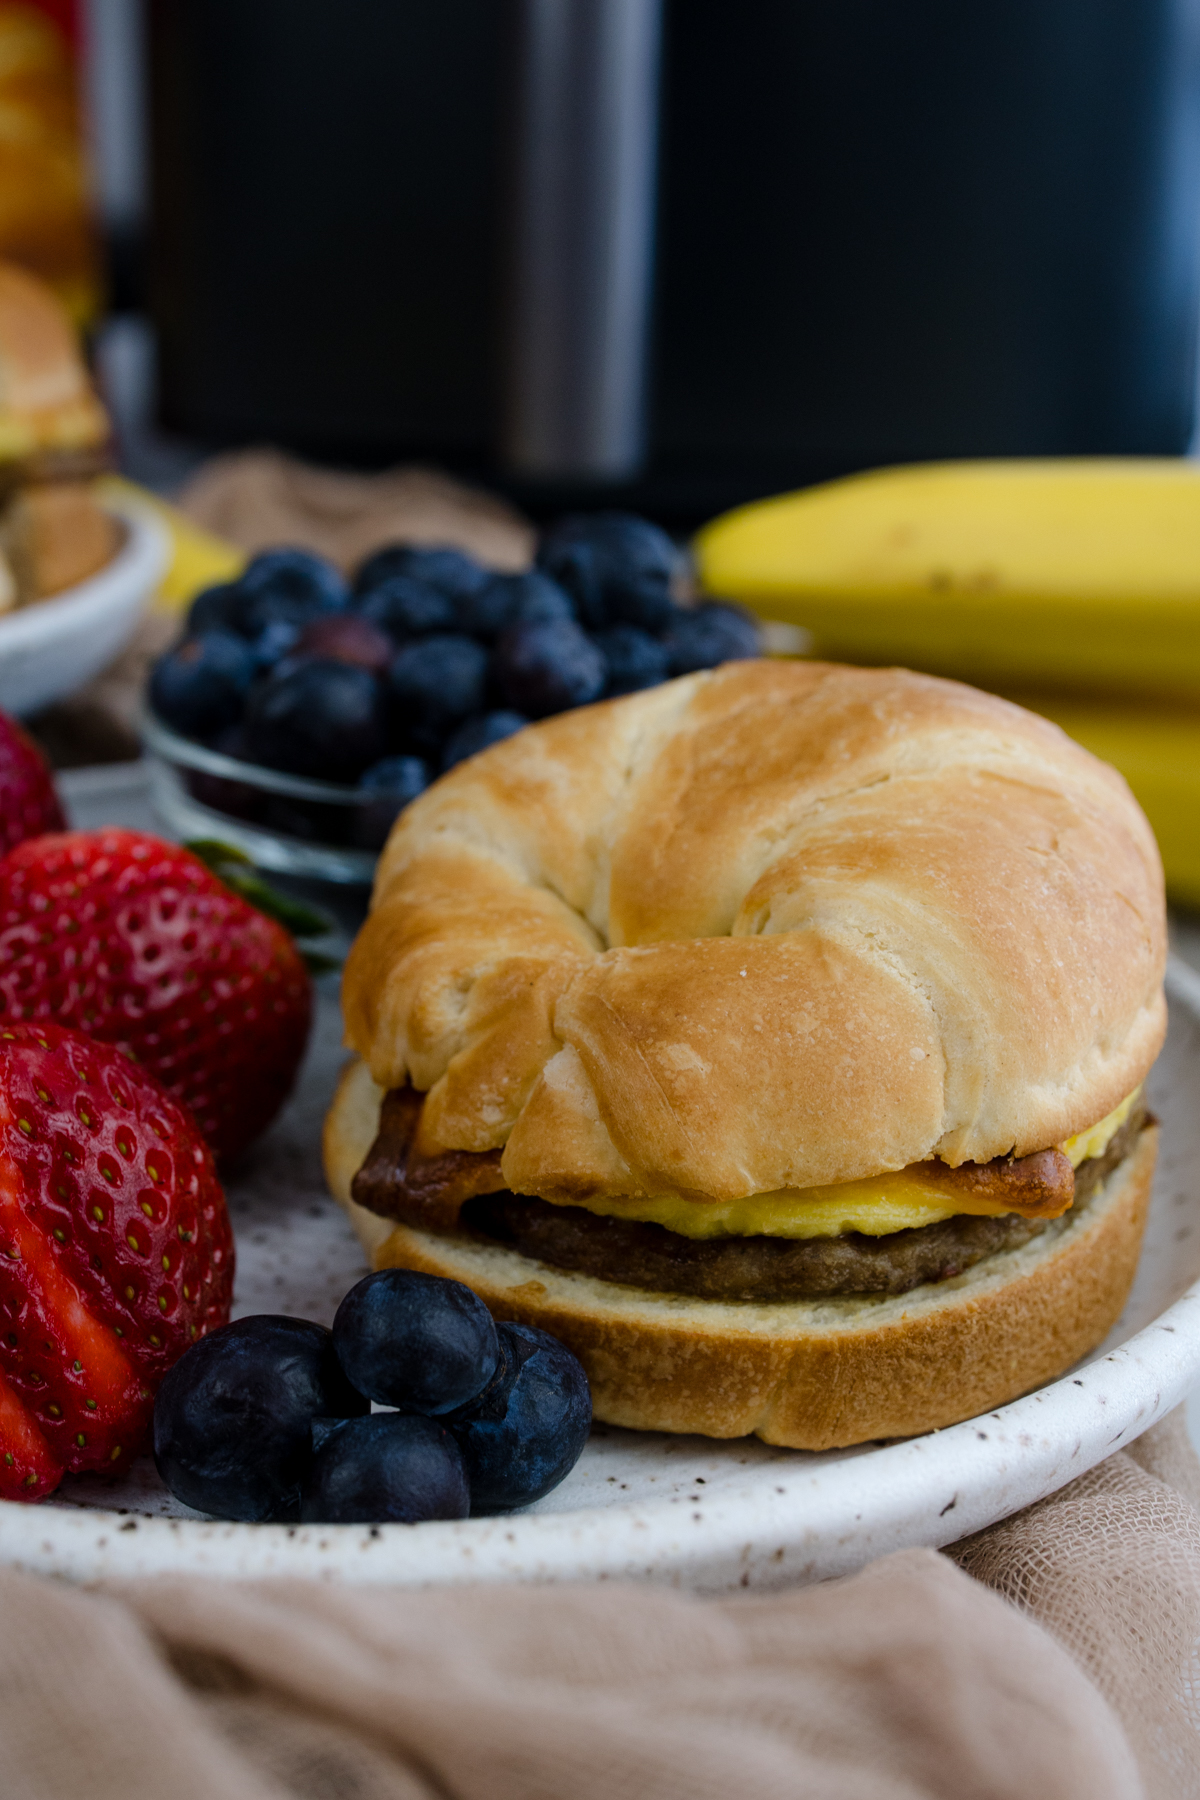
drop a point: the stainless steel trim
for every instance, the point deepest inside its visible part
(585, 156)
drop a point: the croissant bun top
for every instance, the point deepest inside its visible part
(783, 924)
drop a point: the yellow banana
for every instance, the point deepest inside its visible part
(1157, 750)
(1083, 575)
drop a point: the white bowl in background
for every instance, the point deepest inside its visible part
(49, 649)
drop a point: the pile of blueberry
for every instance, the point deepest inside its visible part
(424, 660)
(270, 1418)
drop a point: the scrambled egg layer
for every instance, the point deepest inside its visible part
(875, 1205)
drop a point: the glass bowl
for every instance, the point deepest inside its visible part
(284, 823)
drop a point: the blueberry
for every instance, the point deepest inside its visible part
(543, 669)
(199, 688)
(233, 1418)
(283, 588)
(215, 609)
(323, 1430)
(320, 718)
(259, 613)
(415, 1341)
(633, 658)
(571, 561)
(240, 798)
(476, 734)
(392, 1468)
(391, 784)
(528, 1429)
(298, 576)
(380, 566)
(615, 566)
(700, 637)
(487, 611)
(401, 777)
(513, 599)
(348, 638)
(435, 684)
(449, 571)
(539, 600)
(276, 640)
(406, 608)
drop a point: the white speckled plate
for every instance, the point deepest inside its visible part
(701, 1514)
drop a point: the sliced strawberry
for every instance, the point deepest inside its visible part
(115, 1251)
(28, 1470)
(135, 942)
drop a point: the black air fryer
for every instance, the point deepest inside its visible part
(677, 254)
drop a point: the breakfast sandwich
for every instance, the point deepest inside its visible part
(777, 1038)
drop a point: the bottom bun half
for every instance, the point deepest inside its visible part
(810, 1374)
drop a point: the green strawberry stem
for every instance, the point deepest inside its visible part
(237, 871)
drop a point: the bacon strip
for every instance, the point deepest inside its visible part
(1041, 1186)
(400, 1181)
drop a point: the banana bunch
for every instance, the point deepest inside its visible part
(1073, 586)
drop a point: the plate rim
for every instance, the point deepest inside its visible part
(748, 1535)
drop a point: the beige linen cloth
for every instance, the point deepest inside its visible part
(258, 498)
(1067, 1669)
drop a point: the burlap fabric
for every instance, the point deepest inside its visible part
(258, 498)
(1074, 1679)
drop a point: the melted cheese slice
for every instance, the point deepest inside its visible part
(876, 1205)
(1096, 1139)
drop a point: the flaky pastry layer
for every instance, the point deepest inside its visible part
(779, 926)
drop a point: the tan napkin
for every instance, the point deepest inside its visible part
(257, 498)
(908, 1681)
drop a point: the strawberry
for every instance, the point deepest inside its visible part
(137, 943)
(115, 1253)
(28, 802)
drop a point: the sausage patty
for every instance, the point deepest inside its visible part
(767, 1268)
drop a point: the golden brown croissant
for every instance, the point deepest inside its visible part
(744, 939)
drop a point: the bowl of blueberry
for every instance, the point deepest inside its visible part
(301, 711)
